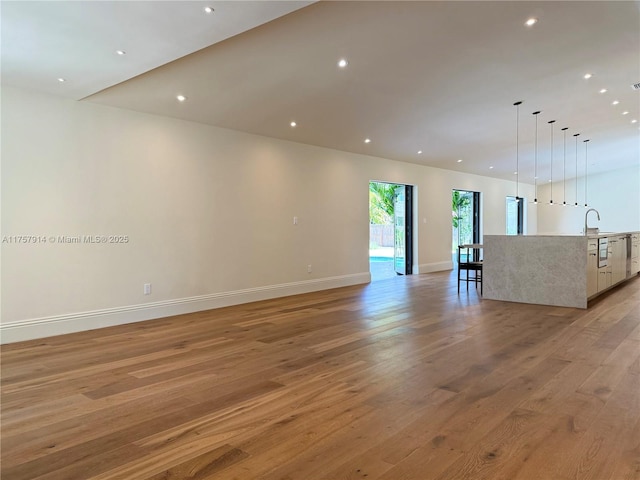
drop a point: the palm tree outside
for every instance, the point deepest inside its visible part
(461, 219)
(381, 202)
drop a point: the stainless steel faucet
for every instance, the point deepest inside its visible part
(586, 228)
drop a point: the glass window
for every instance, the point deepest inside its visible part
(515, 216)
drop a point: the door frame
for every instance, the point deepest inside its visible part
(408, 230)
(476, 214)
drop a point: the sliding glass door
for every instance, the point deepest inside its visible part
(515, 216)
(403, 221)
(465, 212)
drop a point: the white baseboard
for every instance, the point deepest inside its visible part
(77, 322)
(435, 267)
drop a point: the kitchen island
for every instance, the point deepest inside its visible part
(559, 270)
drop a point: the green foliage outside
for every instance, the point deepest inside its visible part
(461, 218)
(459, 202)
(381, 196)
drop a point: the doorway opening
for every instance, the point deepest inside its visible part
(390, 230)
(515, 215)
(465, 212)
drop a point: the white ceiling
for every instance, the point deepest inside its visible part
(440, 77)
(77, 40)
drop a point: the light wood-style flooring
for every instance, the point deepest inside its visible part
(400, 379)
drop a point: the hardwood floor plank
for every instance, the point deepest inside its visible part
(606, 377)
(628, 464)
(83, 426)
(500, 454)
(594, 456)
(203, 466)
(400, 379)
(391, 449)
(291, 437)
(76, 467)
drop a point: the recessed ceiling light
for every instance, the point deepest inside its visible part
(634, 121)
(419, 152)
(62, 80)
(293, 124)
(181, 98)
(367, 140)
(515, 173)
(603, 90)
(342, 63)
(121, 52)
(531, 22)
(208, 10)
(491, 167)
(625, 113)
(587, 76)
(459, 160)
(615, 102)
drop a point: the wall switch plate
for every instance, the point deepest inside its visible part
(308, 268)
(295, 220)
(147, 289)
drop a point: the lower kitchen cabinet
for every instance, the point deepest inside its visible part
(592, 271)
(604, 278)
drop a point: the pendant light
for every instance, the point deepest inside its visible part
(586, 142)
(551, 122)
(517, 105)
(576, 135)
(535, 160)
(564, 168)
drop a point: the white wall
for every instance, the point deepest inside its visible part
(208, 213)
(615, 194)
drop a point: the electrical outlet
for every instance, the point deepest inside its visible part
(295, 220)
(147, 289)
(308, 268)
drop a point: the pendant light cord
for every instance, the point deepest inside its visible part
(586, 147)
(551, 122)
(517, 105)
(564, 167)
(535, 161)
(576, 135)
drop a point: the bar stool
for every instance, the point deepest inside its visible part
(469, 260)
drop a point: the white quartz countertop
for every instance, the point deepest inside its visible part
(609, 234)
(598, 235)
